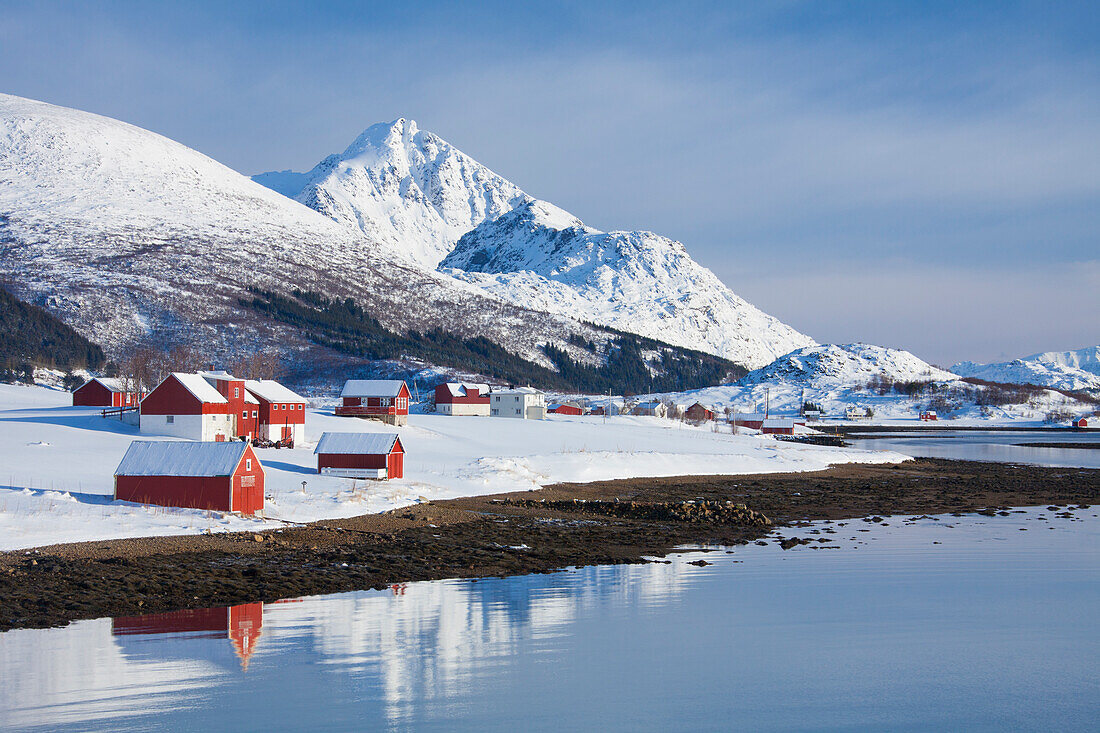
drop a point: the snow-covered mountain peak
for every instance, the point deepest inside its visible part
(425, 200)
(1070, 370)
(845, 364)
(407, 189)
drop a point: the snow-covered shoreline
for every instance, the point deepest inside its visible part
(57, 464)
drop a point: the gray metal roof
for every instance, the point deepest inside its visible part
(356, 443)
(272, 391)
(171, 458)
(372, 388)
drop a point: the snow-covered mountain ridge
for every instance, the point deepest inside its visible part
(128, 235)
(637, 281)
(1069, 370)
(431, 204)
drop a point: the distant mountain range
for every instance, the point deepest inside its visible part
(1069, 370)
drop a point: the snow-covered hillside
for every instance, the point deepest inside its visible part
(404, 188)
(641, 282)
(431, 204)
(127, 235)
(1070, 370)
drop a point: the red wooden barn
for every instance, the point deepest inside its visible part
(221, 476)
(187, 406)
(459, 398)
(379, 399)
(105, 392)
(361, 455)
(698, 413)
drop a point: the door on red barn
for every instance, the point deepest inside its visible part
(288, 432)
(219, 438)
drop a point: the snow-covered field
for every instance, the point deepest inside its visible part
(57, 464)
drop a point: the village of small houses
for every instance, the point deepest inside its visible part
(210, 451)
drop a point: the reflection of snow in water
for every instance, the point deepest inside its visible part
(427, 640)
(82, 671)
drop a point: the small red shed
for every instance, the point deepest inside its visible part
(224, 477)
(105, 392)
(361, 455)
(929, 416)
(1084, 423)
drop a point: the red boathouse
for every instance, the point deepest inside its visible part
(378, 399)
(105, 392)
(224, 477)
(361, 455)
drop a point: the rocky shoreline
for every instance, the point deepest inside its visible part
(511, 534)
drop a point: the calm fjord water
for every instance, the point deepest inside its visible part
(955, 623)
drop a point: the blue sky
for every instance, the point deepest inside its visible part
(920, 175)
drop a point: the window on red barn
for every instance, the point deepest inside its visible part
(236, 392)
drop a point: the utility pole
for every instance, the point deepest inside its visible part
(767, 401)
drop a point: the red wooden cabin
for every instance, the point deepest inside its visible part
(105, 392)
(566, 408)
(379, 399)
(361, 455)
(1084, 423)
(698, 413)
(929, 415)
(224, 477)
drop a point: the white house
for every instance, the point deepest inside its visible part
(525, 403)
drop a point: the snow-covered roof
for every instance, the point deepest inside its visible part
(272, 391)
(168, 458)
(113, 384)
(519, 390)
(372, 388)
(647, 405)
(460, 389)
(747, 416)
(356, 443)
(198, 386)
(778, 422)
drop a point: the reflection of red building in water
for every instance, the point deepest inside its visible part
(242, 625)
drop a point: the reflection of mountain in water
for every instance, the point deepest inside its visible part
(413, 643)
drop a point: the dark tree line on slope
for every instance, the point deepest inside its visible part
(346, 327)
(30, 336)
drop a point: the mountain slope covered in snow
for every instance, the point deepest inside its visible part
(129, 236)
(641, 282)
(1070, 370)
(431, 204)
